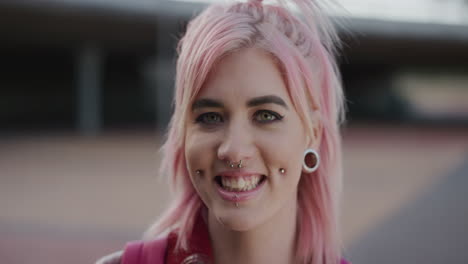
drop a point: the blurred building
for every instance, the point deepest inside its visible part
(96, 64)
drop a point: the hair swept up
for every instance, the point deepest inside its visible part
(304, 46)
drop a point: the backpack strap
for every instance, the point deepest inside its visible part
(145, 252)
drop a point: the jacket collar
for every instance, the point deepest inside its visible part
(199, 244)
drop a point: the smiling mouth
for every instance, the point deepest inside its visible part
(239, 184)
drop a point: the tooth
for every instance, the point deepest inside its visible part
(228, 183)
(241, 183)
(235, 184)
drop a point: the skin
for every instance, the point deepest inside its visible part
(266, 136)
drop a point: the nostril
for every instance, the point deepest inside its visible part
(236, 156)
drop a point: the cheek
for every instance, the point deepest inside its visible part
(199, 155)
(283, 148)
(199, 151)
(295, 142)
(292, 161)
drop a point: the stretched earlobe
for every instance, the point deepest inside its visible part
(311, 161)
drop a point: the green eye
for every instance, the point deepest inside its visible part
(209, 118)
(266, 116)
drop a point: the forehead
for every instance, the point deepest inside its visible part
(245, 73)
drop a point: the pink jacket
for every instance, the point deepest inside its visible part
(162, 250)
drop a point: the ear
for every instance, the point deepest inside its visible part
(314, 139)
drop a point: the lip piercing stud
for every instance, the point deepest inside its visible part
(282, 171)
(198, 172)
(235, 198)
(240, 164)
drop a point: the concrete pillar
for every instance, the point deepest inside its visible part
(89, 107)
(164, 70)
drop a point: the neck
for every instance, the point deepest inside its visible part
(269, 242)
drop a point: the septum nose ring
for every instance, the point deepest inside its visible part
(232, 164)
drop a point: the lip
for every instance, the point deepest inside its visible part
(237, 173)
(239, 196)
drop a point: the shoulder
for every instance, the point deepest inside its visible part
(344, 261)
(114, 258)
(138, 252)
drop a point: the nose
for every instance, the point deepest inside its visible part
(237, 144)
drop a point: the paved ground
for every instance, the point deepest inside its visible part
(68, 199)
(431, 229)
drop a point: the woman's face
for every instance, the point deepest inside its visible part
(244, 113)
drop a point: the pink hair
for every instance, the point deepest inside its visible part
(305, 54)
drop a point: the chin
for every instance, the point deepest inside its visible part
(237, 219)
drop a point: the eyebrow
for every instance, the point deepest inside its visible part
(205, 102)
(267, 99)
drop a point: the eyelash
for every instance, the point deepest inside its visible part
(277, 117)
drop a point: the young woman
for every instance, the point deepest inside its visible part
(253, 148)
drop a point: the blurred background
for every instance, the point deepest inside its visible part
(85, 96)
